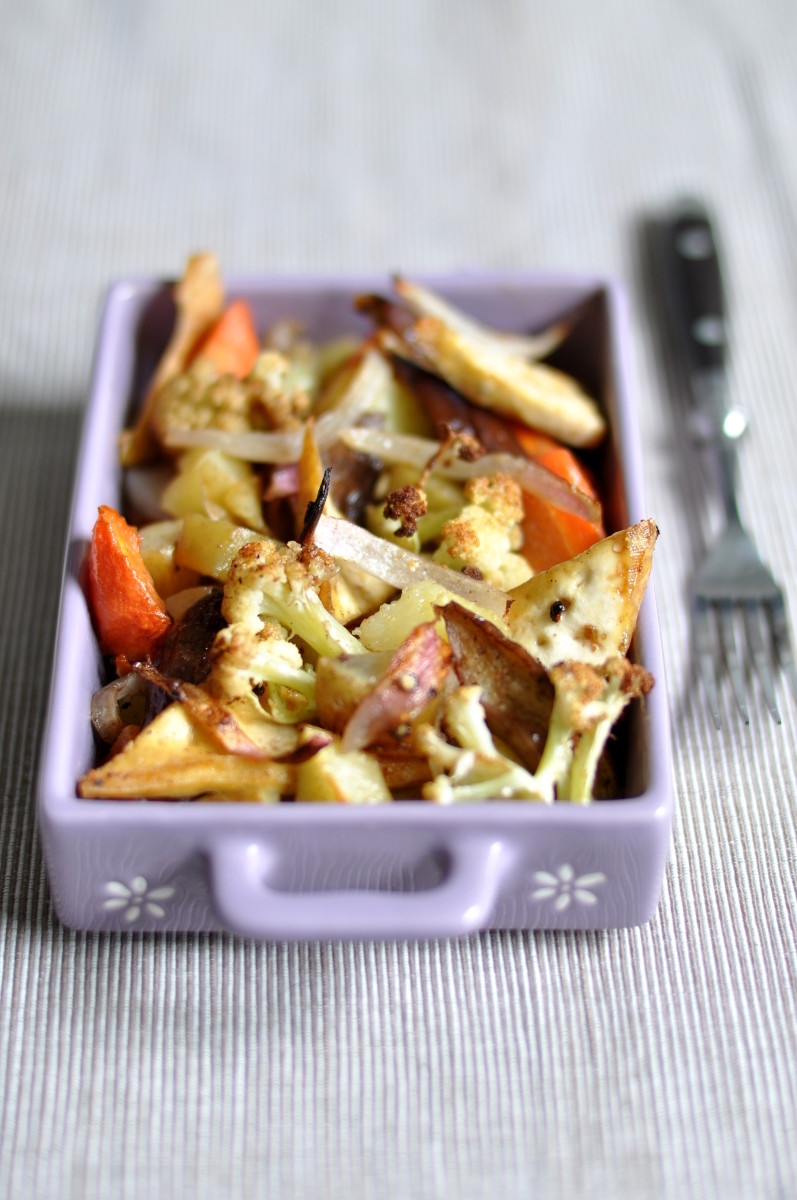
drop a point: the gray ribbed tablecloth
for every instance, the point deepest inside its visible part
(653, 1062)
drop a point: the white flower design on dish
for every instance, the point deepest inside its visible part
(136, 897)
(564, 887)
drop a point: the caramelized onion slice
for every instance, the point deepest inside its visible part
(121, 702)
(532, 476)
(398, 567)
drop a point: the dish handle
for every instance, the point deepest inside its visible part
(461, 903)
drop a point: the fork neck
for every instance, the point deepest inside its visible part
(726, 456)
(719, 426)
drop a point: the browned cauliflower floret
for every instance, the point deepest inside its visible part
(269, 579)
(588, 699)
(200, 398)
(277, 395)
(485, 536)
(263, 663)
(281, 390)
(499, 494)
(467, 765)
(406, 505)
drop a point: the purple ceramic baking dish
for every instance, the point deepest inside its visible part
(317, 871)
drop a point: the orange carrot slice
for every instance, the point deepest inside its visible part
(551, 536)
(232, 344)
(129, 614)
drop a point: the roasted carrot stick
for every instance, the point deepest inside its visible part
(232, 344)
(551, 536)
(129, 614)
(199, 297)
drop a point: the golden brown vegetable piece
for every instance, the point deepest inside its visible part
(585, 609)
(172, 757)
(516, 693)
(534, 393)
(337, 776)
(199, 297)
(491, 369)
(211, 716)
(425, 303)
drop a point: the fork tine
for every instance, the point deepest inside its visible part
(759, 652)
(780, 634)
(733, 661)
(703, 642)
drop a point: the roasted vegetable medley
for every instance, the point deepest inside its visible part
(360, 571)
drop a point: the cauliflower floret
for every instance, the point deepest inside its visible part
(411, 509)
(269, 579)
(406, 505)
(588, 701)
(474, 769)
(278, 394)
(272, 593)
(200, 398)
(486, 535)
(281, 389)
(500, 495)
(263, 663)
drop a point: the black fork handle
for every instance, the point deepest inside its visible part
(695, 303)
(695, 294)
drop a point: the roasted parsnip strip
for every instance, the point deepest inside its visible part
(199, 297)
(586, 609)
(219, 724)
(535, 394)
(194, 775)
(425, 303)
(173, 757)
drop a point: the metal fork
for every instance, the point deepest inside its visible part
(732, 590)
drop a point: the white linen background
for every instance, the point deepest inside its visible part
(652, 1062)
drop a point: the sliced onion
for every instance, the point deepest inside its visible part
(532, 476)
(121, 702)
(400, 568)
(143, 488)
(251, 445)
(364, 394)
